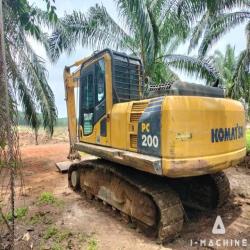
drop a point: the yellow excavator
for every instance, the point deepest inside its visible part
(153, 155)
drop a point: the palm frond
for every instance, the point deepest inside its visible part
(202, 68)
(35, 75)
(139, 12)
(192, 9)
(68, 35)
(230, 60)
(104, 30)
(226, 64)
(229, 5)
(163, 6)
(241, 65)
(219, 61)
(164, 9)
(42, 17)
(173, 26)
(25, 96)
(96, 29)
(198, 31)
(222, 25)
(27, 71)
(237, 89)
(172, 45)
(248, 37)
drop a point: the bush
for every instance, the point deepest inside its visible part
(46, 198)
(92, 244)
(248, 139)
(50, 232)
(20, 213)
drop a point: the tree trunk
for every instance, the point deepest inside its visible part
(6, 125)
(3, 82)
(36, 136)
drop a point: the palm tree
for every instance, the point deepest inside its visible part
(241, 77)
(26, 72)
(226, 65)
(151, 30)
(16, 22)
(235, 71)
(213, 19)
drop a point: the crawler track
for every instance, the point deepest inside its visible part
(222, 185)
(206, 192)
(144, 199)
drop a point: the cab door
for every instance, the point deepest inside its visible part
(92, 111)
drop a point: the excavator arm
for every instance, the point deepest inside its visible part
(71, 81)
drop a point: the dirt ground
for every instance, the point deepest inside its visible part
(68, 221)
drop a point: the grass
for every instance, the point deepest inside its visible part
(56, 234)
(20, 213)
(39, 218)
(92, 244)
(62, 235)
(46, 198)
(56, 246)
(248, 139)
(50, 232)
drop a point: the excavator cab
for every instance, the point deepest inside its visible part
(106, 78)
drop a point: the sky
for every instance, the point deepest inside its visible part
(236, 37)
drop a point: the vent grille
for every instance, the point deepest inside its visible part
(139, 106)
(137, 110)
(133, 141)
(135, 117)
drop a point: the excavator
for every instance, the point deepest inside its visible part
(153, 155)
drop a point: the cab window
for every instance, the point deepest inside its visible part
(88, 104)
(92, 96)
(100, 81)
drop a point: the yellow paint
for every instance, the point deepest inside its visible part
(201, 165)
(69, 85)
(70, 102)
(119, 126)
(197, 116)
(145, 127)
(136, 108)
(109, 93)
(95, 137)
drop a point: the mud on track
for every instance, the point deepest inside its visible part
(90, 221)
